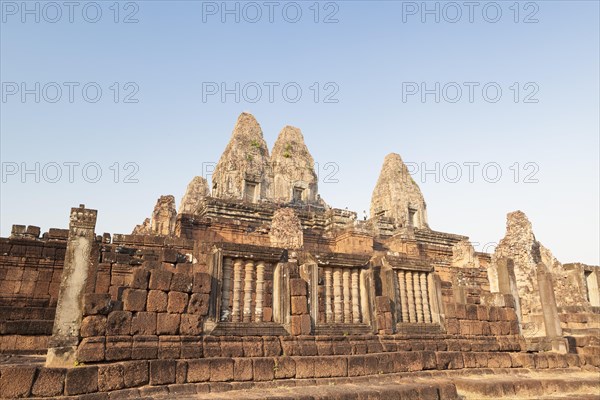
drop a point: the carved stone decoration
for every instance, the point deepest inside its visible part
(286, 230)
(463, 255)
(397, 195)
(163, 219)
(244, 170)
(196, 191)
(294, 177)
(164, 216)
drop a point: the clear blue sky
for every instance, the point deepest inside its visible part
(369, 56)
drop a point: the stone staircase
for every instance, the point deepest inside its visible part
(476, 384)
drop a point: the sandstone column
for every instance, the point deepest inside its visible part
(418, 297)
(237, 288)
(337, 296)
(425, 297)
(403, 297)
(355, 297)
(328, 287)
(260, 288)
(225, 296)
(248, 279)
(347, 304)
(412, 316)
(69, 312)
(549, 309)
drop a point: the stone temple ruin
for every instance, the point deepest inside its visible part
(257, 288)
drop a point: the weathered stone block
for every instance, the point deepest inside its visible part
(264, 369)
(93, 325)
(81, 380)
(298, 287)
(96, 303)
(382, 304)
(449, 360)
(199, 304)
(119, 323)
(232, 347)
(483, 313)
(16, 381)
(271, 346)
(413, 360)
(212, 346)
(177, 302)
(305, 367)
(471, 311)
(253, 346)
(461, 311)
(135, 373)
(301, 325)
(91, 349)
(191, 324)
(198, 370)
(160, 279)
(499, 360)
(181, 282)
(157, 301)
(202, 283)
(242, 369)
(118, 348)
(356, 365)
(140, 278)
(221, 370)
(169, 347)
(143, 323)
(285, 367)
(49, 382)
(110, 377)
(134, 299)
(191, 347)
(162, 372)
(144, 348)
(299, 305)
(167, 324)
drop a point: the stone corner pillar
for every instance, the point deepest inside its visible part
(79, 260)
(550, 309)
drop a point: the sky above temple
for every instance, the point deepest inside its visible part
(492, 105)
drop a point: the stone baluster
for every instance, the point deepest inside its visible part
(412, 316)
(338, 315)
(355, 297)
(425, 296)
(347, 303)
(248, 279)
(225, 296)
(418, 298)
(260, 288)
(328, 287)
(237, 288)
(403, 297)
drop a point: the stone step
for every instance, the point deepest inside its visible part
(248, 329)
(26, 327)
(536, 385)
(349, 391)
(342, 329)
(26, 313)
